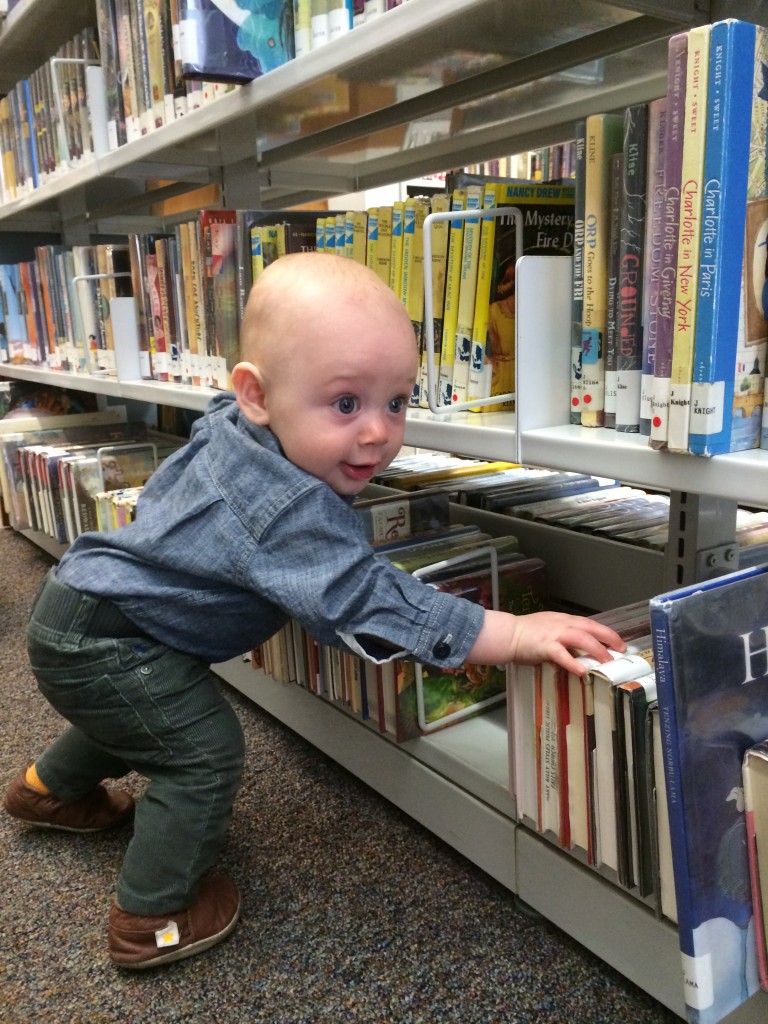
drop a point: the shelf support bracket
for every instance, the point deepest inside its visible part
(702, 538)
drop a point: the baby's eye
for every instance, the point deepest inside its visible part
(346, 404)
(396, 404)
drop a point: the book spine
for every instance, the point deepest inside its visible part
(615, 178)
(318, 23)
(466, 304)
(396, 249)
(721, 261)
(754, 869)
(662, 367)
(629, 346)
(450, 307)
(657, 128)
(604, 138)
(689, 237)
(580, 148)
(384, 243)
(302, 27)
(479, 383)
(435, 279)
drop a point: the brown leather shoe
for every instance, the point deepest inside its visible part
(100, 809)
(138, 942)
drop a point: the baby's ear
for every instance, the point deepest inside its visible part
(249, 388)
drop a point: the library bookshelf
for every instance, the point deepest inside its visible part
(490, 77)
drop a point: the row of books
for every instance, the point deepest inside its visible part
(599, 506)
(653, 768)
(155, 61)
(670, 334)
(191, 284)
(556, 163)
(317, 22)
(402, 699)
(84, 472)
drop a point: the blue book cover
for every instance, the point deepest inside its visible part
(710, 645)
(732, 125)
(235, 40)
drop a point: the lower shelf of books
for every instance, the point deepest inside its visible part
(453, 782)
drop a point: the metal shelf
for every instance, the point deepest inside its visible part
(419, 89)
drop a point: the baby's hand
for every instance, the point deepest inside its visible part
(553, 636)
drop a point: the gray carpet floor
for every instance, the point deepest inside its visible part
(351, 911)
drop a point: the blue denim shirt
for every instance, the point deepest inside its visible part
(231, 540)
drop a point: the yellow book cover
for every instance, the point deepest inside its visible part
(467, 287)
(340, 242)
(330, 234)
(384, 243)
(372, 237)
(359, 236)
(349, 233)
(450, 304)
(320, 235)
(605, 136)
(257, 254)
(479, 379)
(434, 279)
(302, 34)
(396, 249)
(415, 213)
(689, 237)
(279, 230)
(412, 278)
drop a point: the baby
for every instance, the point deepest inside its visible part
(247, 526)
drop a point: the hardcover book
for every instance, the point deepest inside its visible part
(451, 300)
(688, 238)
(235, 40)
(654, 225)
(724, 413)
(578, 269)
(712, 682)
(629, 305)
(673, 157)
(755, 776)
(604, 138)
(615, 203)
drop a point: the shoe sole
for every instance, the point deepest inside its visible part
(68, 828)
(180, 954)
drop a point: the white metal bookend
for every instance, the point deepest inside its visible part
(456, 716)
(508, 212)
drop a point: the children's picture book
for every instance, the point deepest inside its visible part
(235, 40)
(711, 666)
(448, 695)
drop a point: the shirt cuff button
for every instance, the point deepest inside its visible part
(441, 649)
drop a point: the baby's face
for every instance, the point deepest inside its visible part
(339, 409)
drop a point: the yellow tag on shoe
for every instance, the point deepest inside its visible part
(168, 936)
